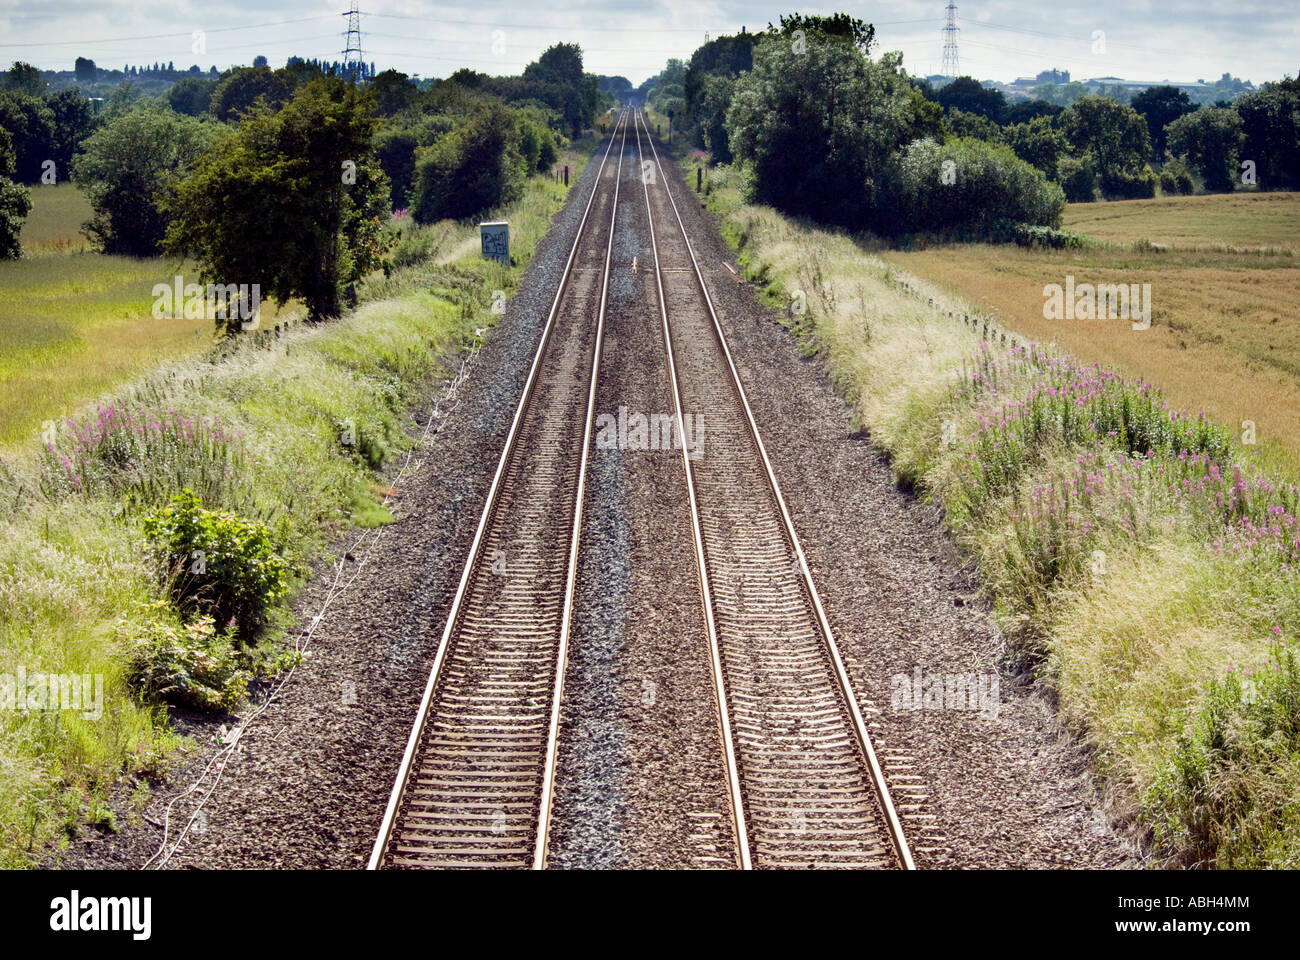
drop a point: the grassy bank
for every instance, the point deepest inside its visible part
(1141, 563)
(286, 432)
(1225, 297)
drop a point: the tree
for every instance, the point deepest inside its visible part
(1161, 106)
(470, 170)
(259, 61)
(293, 200)
(30, 123)
(1115, 137)
(240, 91)
(556, 79)
(128, 169)
(73, 122)
(817, 128)
(1038, 143)
(1270, 121)
(970, 96)
(711, 114)
(191, 95)
(1210, 139)
(839, 26)
(393, 91)
(15, 203)
(85, 70)
(24, 78)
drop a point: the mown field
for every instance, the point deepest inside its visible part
(1225, 289)
(256, 430)
(1142, 564)
(74, 323)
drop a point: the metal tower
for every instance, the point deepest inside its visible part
(951, 66)
(353, 65)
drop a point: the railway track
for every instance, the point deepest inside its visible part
(474, 785)
(806, 787)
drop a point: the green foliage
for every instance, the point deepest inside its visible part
(1210, 140)
(1270, 122)
(216, 564)
(192, 665)
(192, 95)
(30, 123)
(966, 185)
(1228, 797)
(962, 124)
(817, 128)
(556, 79)
(1161, 106)
(243, 88)
(1040, 237)
(1175, 178)
(970, 96)
(470, 170)
(129, 169)
(838, 26)
(24, 78)
(274, 202)
(1078, 179)
(1115, 138)
(1039, 143)
(72, 123)
(15, 203)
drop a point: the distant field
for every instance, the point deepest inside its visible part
(1225, 333)
(54, 225)
(1245, 220)
(74, 324)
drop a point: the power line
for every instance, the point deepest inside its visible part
(165, 36)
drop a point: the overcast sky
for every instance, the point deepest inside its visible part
(1180, 40)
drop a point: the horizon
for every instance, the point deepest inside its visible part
(1254, 41)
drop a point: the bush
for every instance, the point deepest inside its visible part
(1129, 185)
(968, 185)
(1175, 179)
(15, 203)
(1078, 179)
(1229, 795)
(191, 666)
(469, 171)
(216, 564)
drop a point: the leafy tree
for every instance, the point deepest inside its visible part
(30, 123)
(839, 26)
(244, 87)
(470, 170)
(1270, 121)
(73, 122)
(1210, 139)
(1175, 178)
(968, 185)
(293, 200)
(393, 91)
(721, 58)
(712, 116)
(24, 78)
(1161, 106)
(970, 96)
(1115, 137)
(1039, 143)
(1027, 110)
(15, 203)
(128, 169)
(962, 124)
(1078, 178)
(557, 80)
(85, 70)
(192, 95)
(817, 128)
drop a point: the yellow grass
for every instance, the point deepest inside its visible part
(1225, 334)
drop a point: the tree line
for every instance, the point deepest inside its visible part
(289, 177)
(823, 129)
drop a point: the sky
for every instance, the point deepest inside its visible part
(1177, 40)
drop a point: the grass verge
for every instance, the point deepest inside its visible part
(282, 435)
(1141, 562)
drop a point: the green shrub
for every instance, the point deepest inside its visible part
(1175, 178)
(1129, 185)
(216, 564)
(1078, 179)
(969, 185)
(469, 171)
(1229, 797)
(192, 665)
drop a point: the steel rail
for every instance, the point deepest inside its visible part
(474, 558)
(858, 723)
